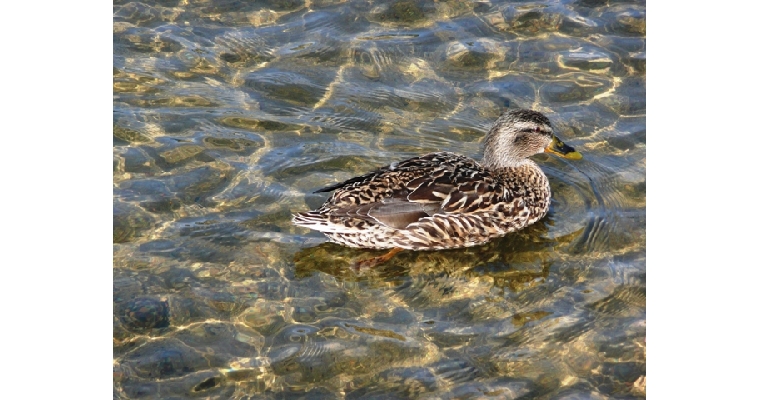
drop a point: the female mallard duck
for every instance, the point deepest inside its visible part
(444, 200)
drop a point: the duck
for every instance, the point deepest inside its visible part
(444, 200)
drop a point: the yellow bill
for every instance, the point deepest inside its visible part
(562, 150)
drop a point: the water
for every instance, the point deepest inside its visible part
(228, 115)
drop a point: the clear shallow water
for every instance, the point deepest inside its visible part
(227, 115)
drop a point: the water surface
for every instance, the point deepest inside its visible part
(227, 116)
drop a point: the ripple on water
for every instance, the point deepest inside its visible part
(626, 301)
(576, 124)
(506, 91)
(252, 193)
(502, 388)
(145, 313)
(130, 222)
(123, 135)
(574, 88)
(203, 383)
(317, 158)
(266, 317)
(165, 358)
(136, 13)
(137, 160)
(243, 48)
(531, 19)
(401, 382)
(299, 88)
(239, 145)
(148, 41)
(628, 20)
(586, 59)
(629, 97)
(401, 12)
(477, 54)
(219, 340)
(228, 114)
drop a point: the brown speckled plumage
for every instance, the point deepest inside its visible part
(444, 200)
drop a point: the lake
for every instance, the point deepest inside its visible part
(228, 115)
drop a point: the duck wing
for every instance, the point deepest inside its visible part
(407, 170)
(394, 212)
(406, 192)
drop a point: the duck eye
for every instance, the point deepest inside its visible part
(537, 129)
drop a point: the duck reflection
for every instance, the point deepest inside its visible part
(516, 261)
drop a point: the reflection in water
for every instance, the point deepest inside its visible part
(522, 247)
(228, 115)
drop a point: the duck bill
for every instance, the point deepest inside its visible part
(558, 148)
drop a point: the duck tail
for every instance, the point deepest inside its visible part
(307, 219)
(313, 220)
(319, 222)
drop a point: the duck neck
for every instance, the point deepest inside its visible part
(497, 157)
(529, 183)
(524, 169)
(494, 159)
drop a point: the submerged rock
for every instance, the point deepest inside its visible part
(145, 313)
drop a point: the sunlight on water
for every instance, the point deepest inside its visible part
(228, 115)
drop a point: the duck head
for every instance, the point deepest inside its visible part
(519, 134)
